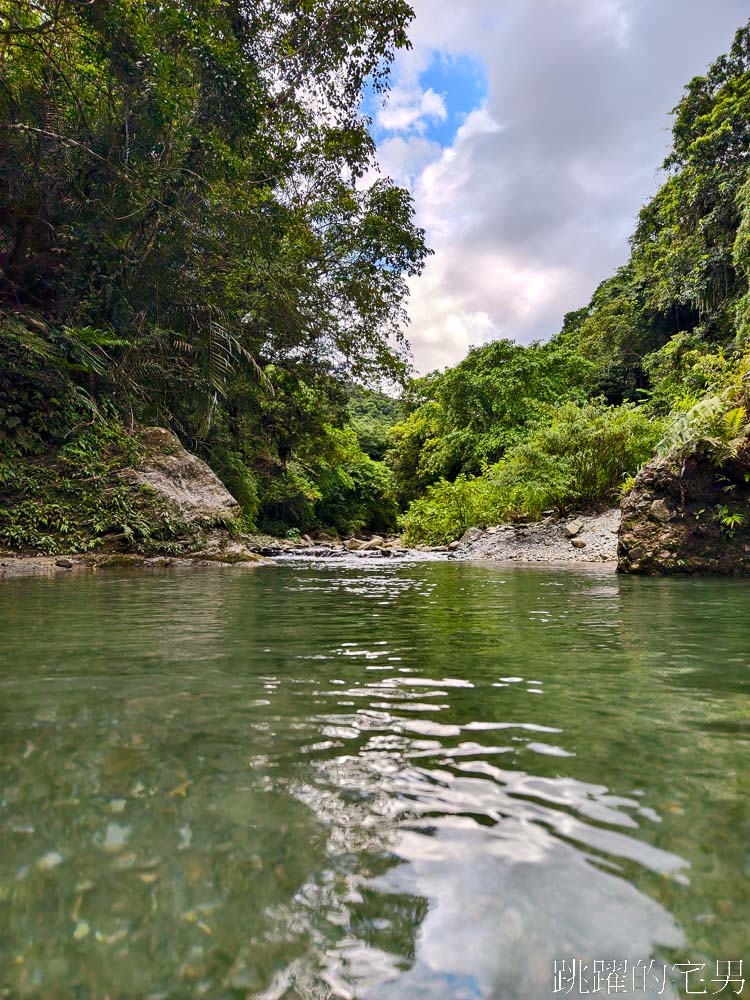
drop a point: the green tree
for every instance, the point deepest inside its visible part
(372, 415)
(185, 235)
(469, 415)
(574, 455)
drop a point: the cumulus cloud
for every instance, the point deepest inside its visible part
(411, 109)
(531, 204)
(404, 158)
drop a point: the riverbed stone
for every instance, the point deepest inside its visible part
(64, 563)
(573, 528)
(376, 542)
(472, 535)
(578, 543)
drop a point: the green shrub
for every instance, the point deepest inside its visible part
(357, 494)
(448, 509)
(76, 500)
(288, 500)
(577, 458)
(333, 485)
(241, 482)
(463, 418)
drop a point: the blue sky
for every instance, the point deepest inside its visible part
(530, 132)
(461, 85)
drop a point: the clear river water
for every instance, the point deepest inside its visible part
(400, 780)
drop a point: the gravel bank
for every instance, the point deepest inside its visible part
(583, 538)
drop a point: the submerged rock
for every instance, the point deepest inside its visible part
(688, 515)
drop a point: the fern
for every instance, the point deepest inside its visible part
(709, 425)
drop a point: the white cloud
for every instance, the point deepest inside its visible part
(411, 109)
(405, 158)
(532, 203)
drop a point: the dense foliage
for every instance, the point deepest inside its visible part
(190, 236)
(461, 419)
(186, 237)
(372, 416)
(571, 457)
(660, 354)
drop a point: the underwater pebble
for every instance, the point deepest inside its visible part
(49, 861)
(115, 837)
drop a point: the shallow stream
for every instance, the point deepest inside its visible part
(393, 780)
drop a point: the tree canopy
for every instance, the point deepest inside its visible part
(192, 227)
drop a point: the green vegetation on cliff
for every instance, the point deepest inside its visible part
(660, 354)
(185, 240)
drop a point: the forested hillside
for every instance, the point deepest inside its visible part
(658, 358)
(186, 240)
(190, 237)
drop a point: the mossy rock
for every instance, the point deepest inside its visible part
(182, 482)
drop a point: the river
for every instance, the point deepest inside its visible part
(395, 780)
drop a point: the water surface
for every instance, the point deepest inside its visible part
(395, 780)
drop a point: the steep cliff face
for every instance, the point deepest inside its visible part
(688, 515)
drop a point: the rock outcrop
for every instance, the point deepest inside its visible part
(187, 486)
(687, 515)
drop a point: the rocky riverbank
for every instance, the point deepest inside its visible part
(248, 550)
(193, 520)
(18, 564)
(584, 538)
(587, 538)
(689, 514)
(326, 546)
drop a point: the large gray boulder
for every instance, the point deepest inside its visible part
(195, 495)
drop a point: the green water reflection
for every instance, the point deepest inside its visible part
(401, 781)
